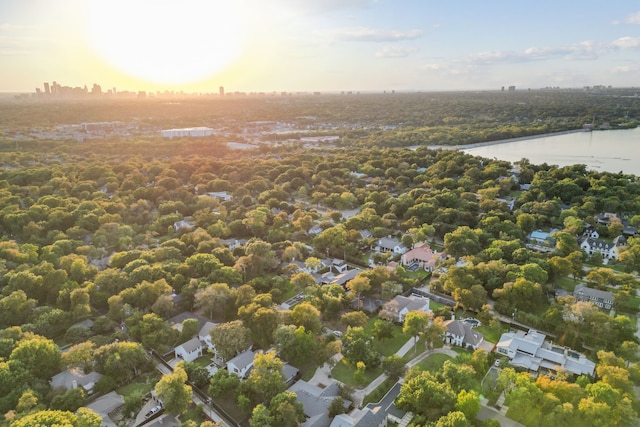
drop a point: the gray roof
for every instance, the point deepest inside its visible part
(316, 401)
(206, 328)
(107, 403)
(66, 379)
(243, 360)
(192, 345)
(400, 302)
(464, 330)
(582, 289)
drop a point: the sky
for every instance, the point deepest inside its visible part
(318, 45)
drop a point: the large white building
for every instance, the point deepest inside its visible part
(186, 132)
(531, 351)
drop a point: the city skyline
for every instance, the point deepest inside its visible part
(317, 45)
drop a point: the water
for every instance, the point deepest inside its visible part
(603, 151)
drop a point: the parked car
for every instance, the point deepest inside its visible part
(153, 411)
(337, 334)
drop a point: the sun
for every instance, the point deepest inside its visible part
(166, 41)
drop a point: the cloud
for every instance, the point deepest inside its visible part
(633, 19)
(585, 50)
(365, 34)
(324, 6)
(624, 69)
(395, 52)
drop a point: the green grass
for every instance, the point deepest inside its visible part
(530, 418)
(343, 372)
(435, 305)
(389, 346)
(141, 385)
(377, 394)
(492, 334)
(566, 283)
(433, 363)
(203, 361)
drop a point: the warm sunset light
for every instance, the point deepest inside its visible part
(166, 41)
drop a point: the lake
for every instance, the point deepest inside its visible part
(603, 151)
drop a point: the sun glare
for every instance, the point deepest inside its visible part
(166, 41)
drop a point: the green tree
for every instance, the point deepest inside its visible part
(424, 395)
(468, 403)
(286, 410)
(265, 380)
(261, 417)
(453, 419)
(382, 330)
(174, 391)
(230, 338)
(306, 315)
(354, 318)
(357, 346)
(394, 366)
(39, 356)
(415, 323)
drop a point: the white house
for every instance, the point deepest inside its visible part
(183, 223)
(389, 244)
(190, 350)
(608, 250)
(186, 132)
(602, 299)
(241, 364)
(397, 308)
(461, 334)
(220, 195)
(422, 255)
(532, 352)
(205, 335)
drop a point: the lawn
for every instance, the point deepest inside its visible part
(433, 363)
(566, 283)
(140, 386)
(343, 372)
(492, 334)
(203, 361)
(376, 395)
(388, 346)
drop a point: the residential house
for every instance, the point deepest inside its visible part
(365, 417)
(461, 334)
(608, 250)
(234, 243)
(542, 237)
(531, 351)
(190, 350)
(591, 233)
(316, 401)
(389, 244)
(397, 308)
(108, 407)
(220, 195)
(607, 218)
(602, 299)
(176, 321)
(241, 364)
(339, 265)
(341, 279)
(183, 224)
(204, 335)
(74, 378)
(423, 256)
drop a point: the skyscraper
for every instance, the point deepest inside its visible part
(47, 90)
(221, 90)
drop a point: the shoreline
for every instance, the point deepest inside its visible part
(499, 141)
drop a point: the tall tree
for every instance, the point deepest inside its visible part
(174, 391)
(415, 323)
(230, 338)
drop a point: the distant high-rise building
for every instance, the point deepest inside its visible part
(47, 90)
(96, 89)
(512, 88)
(221, 90)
